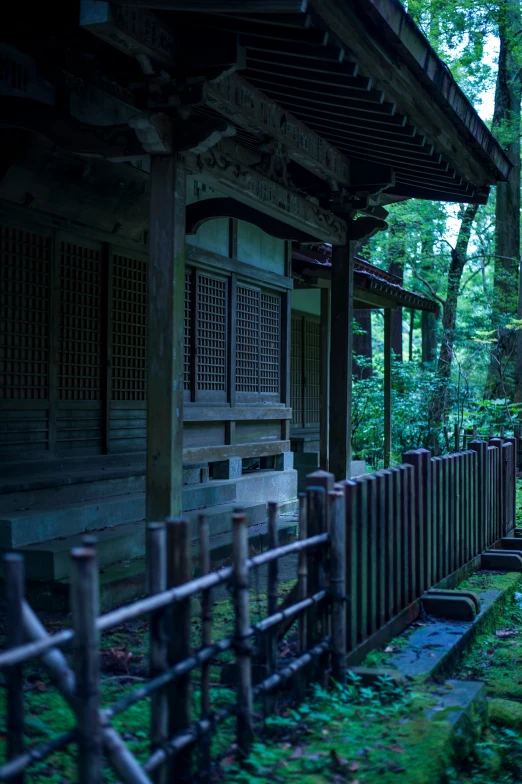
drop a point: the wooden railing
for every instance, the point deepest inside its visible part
(368, 549)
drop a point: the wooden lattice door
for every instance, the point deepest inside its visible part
(79, 420)
(24, 341)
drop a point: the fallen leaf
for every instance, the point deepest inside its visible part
(353, 767)
(490, 652)
(398, 749)
(228, 761)
(506, 632)
(41, 686)
(298, 752)
(390, 649)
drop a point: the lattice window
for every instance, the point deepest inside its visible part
(80, 323)
(188, 330)
(247, 340)
(270, 341)
(24, 307)
(129, 329)
(296, 371)
(212, 322)
(312, 371)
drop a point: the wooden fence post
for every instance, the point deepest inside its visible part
(317, 513)
(302, 592)
(14, 581)
(513, 479)
(272, 601)
(352, 492)
(420, 459)
(338, 585)
(245, 730)
(456, 437)
(206, 641)
(499, 487)
(85, 609)
(158, 651)
(179, 571)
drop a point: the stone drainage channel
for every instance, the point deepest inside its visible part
(427, 655)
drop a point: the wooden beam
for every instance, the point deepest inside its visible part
(357, 85)
(225, 6)
(166, 295)
(239, 101)
(345, 70)
(387, 386)
(221, 168)
(340, 447)
(324, 380)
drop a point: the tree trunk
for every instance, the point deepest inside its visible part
(362, 345)
(429, 336)
(502, 381)
(439, 400)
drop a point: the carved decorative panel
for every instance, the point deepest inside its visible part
(188, 329)
(212, 322)
(79, 376)
(247, 340)
(129, 328)
(296, 371)
(270, 341)
(24, 305)
(312, 337)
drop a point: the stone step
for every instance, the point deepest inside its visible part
(50, 560)
(43, 525)
(124, 581)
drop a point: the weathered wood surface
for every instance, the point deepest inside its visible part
(340, 450)
(166, 293)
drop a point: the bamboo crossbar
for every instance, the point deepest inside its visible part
(290, 612)
(182, 668)
(291, 669)
(17, 765)
(288, 549)
(124, 614)
(186, 738)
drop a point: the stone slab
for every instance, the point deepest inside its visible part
(371, 676)
(502, 560)
(23, 528)
(357, 468)
(463, 705)
(434, 648)
(454, 608)
(449, 592)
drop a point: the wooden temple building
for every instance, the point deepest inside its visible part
(165, 168)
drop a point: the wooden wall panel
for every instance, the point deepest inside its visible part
(260, 430)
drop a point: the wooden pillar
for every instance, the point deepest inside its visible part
(166, 293)
(324, 381)
(341, 334)
(387, 385)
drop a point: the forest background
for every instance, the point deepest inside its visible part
(465, 366)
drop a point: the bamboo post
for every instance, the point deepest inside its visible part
(502, 431)
(85, 609)
(475, 432)
(14, 580)
(456, 437)
(338, 585)
(447, 439)
(179, 571)
(206, 641)
(158, 662)
(245, 730)
(272, 595)
(302, 591)
(491, 430)
(316, 517)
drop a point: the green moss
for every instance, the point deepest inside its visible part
(488, 581)
(505, 713)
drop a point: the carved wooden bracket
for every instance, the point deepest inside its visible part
(221, 169)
